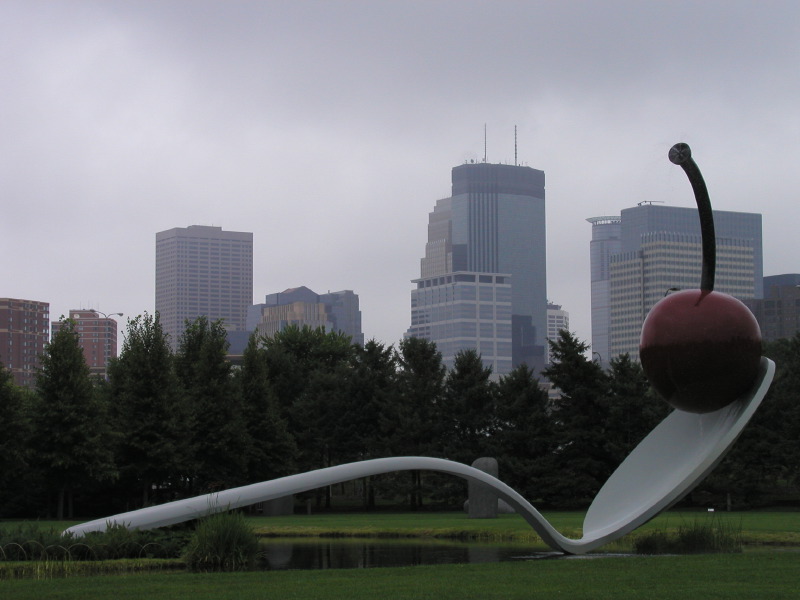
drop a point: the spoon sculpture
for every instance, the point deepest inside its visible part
(663, 468)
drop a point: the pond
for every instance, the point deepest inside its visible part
(361, 553)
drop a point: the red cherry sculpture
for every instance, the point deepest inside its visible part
(700, 349)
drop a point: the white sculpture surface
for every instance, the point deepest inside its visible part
(663, 468)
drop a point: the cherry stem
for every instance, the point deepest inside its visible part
(681, 155)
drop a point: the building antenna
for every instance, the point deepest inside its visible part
(515, 146)
(484, 142)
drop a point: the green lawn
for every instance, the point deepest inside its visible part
(770, 527)
(768, 571)
(774, 575)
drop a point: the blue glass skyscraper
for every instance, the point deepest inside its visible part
(483, 279)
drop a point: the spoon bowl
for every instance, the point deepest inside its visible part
(667, 464)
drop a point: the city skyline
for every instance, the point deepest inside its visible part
(127, 118)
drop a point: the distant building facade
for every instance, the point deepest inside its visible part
(203, 271)
(778, 312)
(24, 332)
(97, 336)
(300, 306)
(482, 283)
(606, 242)
(466, 310)
(557, 320)
(659, 250)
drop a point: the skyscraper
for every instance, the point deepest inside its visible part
(557, 320)
(778, 312)
(659, 248)
(24, 329)
(203, 271)
(97, 335)
(605, 242)
(482, 282)
(334, 311)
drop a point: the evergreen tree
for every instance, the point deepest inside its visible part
(272, 451)
(418, 413)
(580, 416)
(469, 409)
(149, 410)
(524, 438)
(324, 419)
(762, 465)
(15, 452)
(373, 395)
(779, 415)
(72, 435)
(220, 441)
(421, 385)
(633, 410)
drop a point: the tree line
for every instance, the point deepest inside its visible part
(170, 425)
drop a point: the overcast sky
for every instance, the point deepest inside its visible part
(328, 129)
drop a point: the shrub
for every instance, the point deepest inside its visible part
(27, 542)
(653, 542)
(222, 542)
(712, 535)
(118, 542)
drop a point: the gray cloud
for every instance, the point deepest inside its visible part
(329, 129)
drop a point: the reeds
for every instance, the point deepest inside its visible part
(55, 568)
(222, 542)
(703, 536)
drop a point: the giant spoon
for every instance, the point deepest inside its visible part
(673, 458)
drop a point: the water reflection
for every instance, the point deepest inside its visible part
(322, 553)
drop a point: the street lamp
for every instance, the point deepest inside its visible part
(107, 316)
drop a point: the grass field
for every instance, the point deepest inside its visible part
(769, 568)
(758, 527)
(773, 575)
